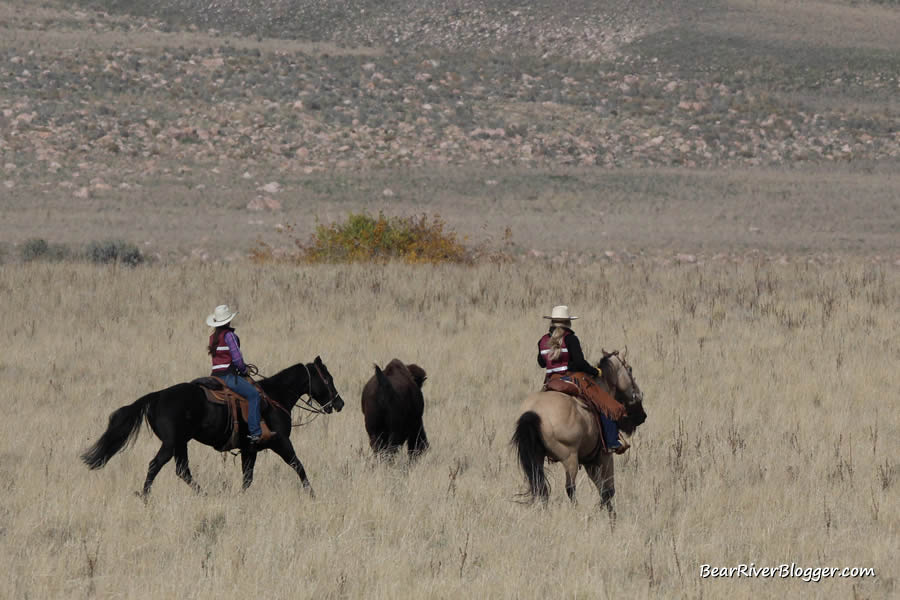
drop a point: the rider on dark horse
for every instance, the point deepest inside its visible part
(559, 352)
(228, 363)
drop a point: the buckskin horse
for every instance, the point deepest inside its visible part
(182, 412)
(562, 428)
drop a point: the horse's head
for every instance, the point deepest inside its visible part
(321, 387)
(617, 374)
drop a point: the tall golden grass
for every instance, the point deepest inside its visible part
(772, 434)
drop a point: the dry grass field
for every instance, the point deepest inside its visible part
(771, 438)
(711, 183)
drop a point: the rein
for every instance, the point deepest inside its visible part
(306, 404)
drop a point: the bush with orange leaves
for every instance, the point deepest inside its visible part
(366, 238)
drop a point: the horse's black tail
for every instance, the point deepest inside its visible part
(532, 452)
(123, 427)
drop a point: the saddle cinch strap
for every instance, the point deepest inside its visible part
(219, 393)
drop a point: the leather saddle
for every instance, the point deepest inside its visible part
(597, 400)
(565, 385)
(219, 393)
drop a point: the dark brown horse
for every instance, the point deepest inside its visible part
(393, 405)
(181, 413)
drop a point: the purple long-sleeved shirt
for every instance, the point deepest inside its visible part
(237, 359)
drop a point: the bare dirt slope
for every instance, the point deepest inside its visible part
(689, 127)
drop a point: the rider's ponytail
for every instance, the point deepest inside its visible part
(559, 332)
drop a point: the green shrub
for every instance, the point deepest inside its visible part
(40, 249)
(111, 251)
(364, 238)
(34, 249)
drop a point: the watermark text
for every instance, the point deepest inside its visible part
(785, 571)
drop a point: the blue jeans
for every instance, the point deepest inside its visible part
(247, 390)
(610, 432)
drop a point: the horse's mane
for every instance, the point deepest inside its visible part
(605, 364)
(281, 381)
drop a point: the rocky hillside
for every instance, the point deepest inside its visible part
(583, 29)
(83, 87)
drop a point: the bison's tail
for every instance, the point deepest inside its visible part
(532, 452)
(389, 403)
(123, 427)
(386, 394)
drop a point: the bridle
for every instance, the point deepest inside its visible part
(635, 398)
(307, 405)
(303, 403)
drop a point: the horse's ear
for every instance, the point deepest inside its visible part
(317, 360)
(625, 353)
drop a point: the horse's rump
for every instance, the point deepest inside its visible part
(563, 410)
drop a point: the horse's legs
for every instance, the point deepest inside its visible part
(248, 460)
(182, 469)
(283, 448)
(571, 465)
(603, 476)
(161, 458)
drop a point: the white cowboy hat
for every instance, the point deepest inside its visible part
(560, 313)
(221, 316)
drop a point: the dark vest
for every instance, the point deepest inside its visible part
(561, 364)
(221, 358)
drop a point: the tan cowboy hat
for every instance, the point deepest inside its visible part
(221, 316)
(560, 313)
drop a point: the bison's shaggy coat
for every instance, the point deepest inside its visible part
(393, 405)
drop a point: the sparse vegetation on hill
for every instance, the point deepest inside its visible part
(103, 100)
(445, 104)
(574, 28)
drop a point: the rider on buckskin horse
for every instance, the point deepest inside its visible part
(559, 352)
(228, 363)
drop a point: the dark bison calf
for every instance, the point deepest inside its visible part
(393, 404)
